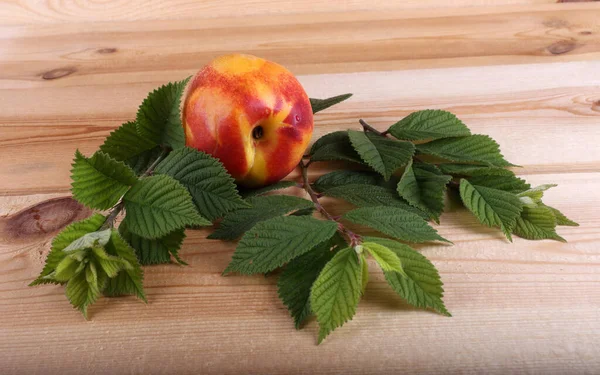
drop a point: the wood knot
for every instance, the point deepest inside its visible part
(42, 219)
(561, 47)
(107, 50)
(59, 73)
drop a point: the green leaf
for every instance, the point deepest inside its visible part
(512, 184)
(364, 274)
(395, 222)
(141, 163)
(66, 269)
(274, 242)
(129, 281)
(535, 193)
(159, 117)
(89, 240)
(473, 149)
(334, 146)
(109, 263)
(429, 124)
(304, 212)
(386, 258)
(262, 208)
(248, 193)
(561, 219)
(100, 181)
(423, 186)
(158, 205)
(336, 292)
(384, 155)
(420, 286)
(212, 188)
(126, 144)
(343, 177)
(84, 288)
(320, 104)
(157, 251)
(64, 239)
(490, 206)
(298, 276)
(473, 170)
(537, 223)
(368, 195)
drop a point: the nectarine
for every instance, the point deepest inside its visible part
(250, 113)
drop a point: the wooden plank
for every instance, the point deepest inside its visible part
(526, 306)
(17, 12)
(45, 56)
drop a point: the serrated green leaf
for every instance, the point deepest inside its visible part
(274, 242)
(71, 233)
(66, 269)
(126, 144)
(423, 186)
(429, 124)
(336, 292)
(561, 219)
(249, 193)
(100, 181)
(363, 195)
(364, 274)
(320, 104)
(421, 285)
(334, 146)
(298, 276)
(262, 208)
(109, 263)
(395, 222)
(212, 188)
(89, 240)
(537, 223)
(386, 258)
(157, 251)
(476, 148)
(158, 205)
(490, 206)
(159, 117)
(128, 281)
(84, 288)
(473, 170)
(384, 155)
(304, 212)
(343, 177)
(512, 184)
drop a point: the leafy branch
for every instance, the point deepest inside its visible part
(396, 182)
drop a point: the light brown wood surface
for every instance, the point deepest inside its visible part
(525, 72)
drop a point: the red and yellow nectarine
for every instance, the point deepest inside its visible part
(250, 113)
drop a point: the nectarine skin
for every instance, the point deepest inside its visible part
(250, 113)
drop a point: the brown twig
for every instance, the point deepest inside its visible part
(368, 127)
(353, 238)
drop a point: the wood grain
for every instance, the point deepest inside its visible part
(522, 71)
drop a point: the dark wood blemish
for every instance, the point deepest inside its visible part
(596, 105)
(556, 23)
(59, 73)
(44, 218)
(107, 50)
(561, 47)
(585, 32)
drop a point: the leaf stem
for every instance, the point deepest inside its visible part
(368, 127)
(116, 210)
(353, 238)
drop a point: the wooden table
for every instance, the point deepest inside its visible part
(523, 71)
